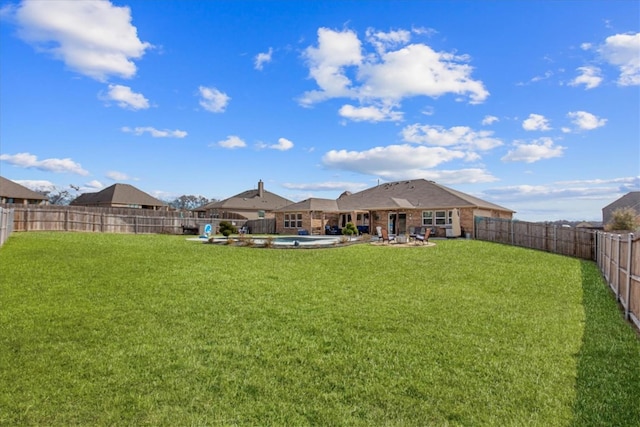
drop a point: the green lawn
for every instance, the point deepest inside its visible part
(104, 329)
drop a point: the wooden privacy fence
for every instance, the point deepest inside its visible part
(116, 220)
(6, 224)
(571, 241)
(618, 256)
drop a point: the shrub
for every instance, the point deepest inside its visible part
(349, 229)
(623, 219)
(227, 229)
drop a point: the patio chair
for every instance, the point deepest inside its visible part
(424, 238)
(385, 236)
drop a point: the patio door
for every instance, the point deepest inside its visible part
(397, 223)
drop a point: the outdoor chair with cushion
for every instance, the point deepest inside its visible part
(424, 238)
(385, 236)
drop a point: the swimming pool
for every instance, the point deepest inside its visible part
(299, 240)
(283, 241)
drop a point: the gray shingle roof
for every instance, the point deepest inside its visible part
(249, 200)
(13, 190)
(121, 194)
(417, 194)
(412, 194)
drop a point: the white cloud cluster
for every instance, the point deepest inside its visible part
(393, 71)
(590, 77)
(370, 113)
(543, 148)
(94, 38)
(156, 133)
(125, 98)
(623, 51)
(461, 137)
(586, 121)
(283, 144)
(117, 176)
(211, 99)
(30, 161)
(231, 142)
(536, 122)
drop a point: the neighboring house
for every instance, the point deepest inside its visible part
(629, 200)
(12, 192)
(403, 207)
(250, 204)
(120, 196)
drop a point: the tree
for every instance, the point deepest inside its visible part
(61, 197)
(189, 202)
(624, 219)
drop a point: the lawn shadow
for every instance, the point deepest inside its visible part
(608, 368)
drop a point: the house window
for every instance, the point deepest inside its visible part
(293, 220)
(441, 217)
(427, 218)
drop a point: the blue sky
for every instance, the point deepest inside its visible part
(533, 105)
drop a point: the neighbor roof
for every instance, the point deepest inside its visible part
(120, 194)
(249, 200)
(629, 200)
(13, 190)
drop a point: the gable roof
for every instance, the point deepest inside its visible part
(120, 194)
(250, 200)
(416, 194)
(629, 200)
(412, 194)
(312, 204)
(13, 190)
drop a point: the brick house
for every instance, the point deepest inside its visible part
(120, 196)
(250, 204)
(12, 192)
(402, 207)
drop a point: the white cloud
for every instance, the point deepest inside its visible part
(93, 38)
(461, 137)
(156, 133)
(390, 161)
(213, 100)
(623, 51)
(263, 58)
(232, 142)
(125, 98)
(489, 120)
(40, 186)
(586, 121)
(370, 113)
(117, 176)
(418, 70)
(92, 186)
(327, 186)
(544, 148)
(30, 161)
(326, 62)
(341, 69)
(383, 41)
(590, 77)
(283, 145)
(536, 122)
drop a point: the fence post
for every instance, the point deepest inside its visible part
(618, 268)
(629, 271)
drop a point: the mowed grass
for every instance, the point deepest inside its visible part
(104, 329)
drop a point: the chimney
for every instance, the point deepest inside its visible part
(260, 189)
